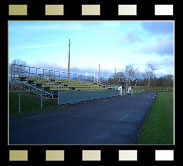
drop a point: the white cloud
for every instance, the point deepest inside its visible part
(161, 46)
(112, 44)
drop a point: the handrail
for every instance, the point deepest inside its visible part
(20, 91)
(36, 89)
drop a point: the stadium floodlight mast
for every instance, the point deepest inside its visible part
(69, 62)
(99, 75)
(115, 76)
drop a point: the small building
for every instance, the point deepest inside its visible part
(122, 82)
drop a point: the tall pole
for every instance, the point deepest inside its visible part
(43, 73)
(69, 62)
(115, 76)
(99, 75)
(94, 75)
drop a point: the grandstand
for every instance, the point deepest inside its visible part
(50, 85)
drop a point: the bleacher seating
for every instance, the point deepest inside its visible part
(53, 84)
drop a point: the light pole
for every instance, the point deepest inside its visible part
(99, 75)
(69, 62)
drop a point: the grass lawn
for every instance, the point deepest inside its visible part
(158, 126)
(153, 88)
(29, 104)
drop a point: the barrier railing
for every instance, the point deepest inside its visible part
(19, 98)
(25, 70)
(65, 97)
(25, 101)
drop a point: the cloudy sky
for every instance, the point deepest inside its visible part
(112, 44)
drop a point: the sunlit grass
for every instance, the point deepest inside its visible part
(158, 126)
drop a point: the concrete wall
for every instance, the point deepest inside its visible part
(66, 97)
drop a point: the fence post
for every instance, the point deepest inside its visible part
(19, 102)
(41, 101)
(29, 71)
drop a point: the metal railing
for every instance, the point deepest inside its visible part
(46, 73)
(19, 98)
(29, 87)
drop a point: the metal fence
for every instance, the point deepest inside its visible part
(28, 71)
(19, 98)
(71, 96)
(66, 97)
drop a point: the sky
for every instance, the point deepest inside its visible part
(112, 44)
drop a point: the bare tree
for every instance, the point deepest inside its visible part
(130, 73)
(17, 66)
(149, 72)
(137, 76)
(115, 77)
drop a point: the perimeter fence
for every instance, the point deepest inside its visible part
(23, 101)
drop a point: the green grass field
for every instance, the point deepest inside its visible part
(153, 88)
(29, 104)
(158, 126)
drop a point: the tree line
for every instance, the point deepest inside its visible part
(146, 78)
